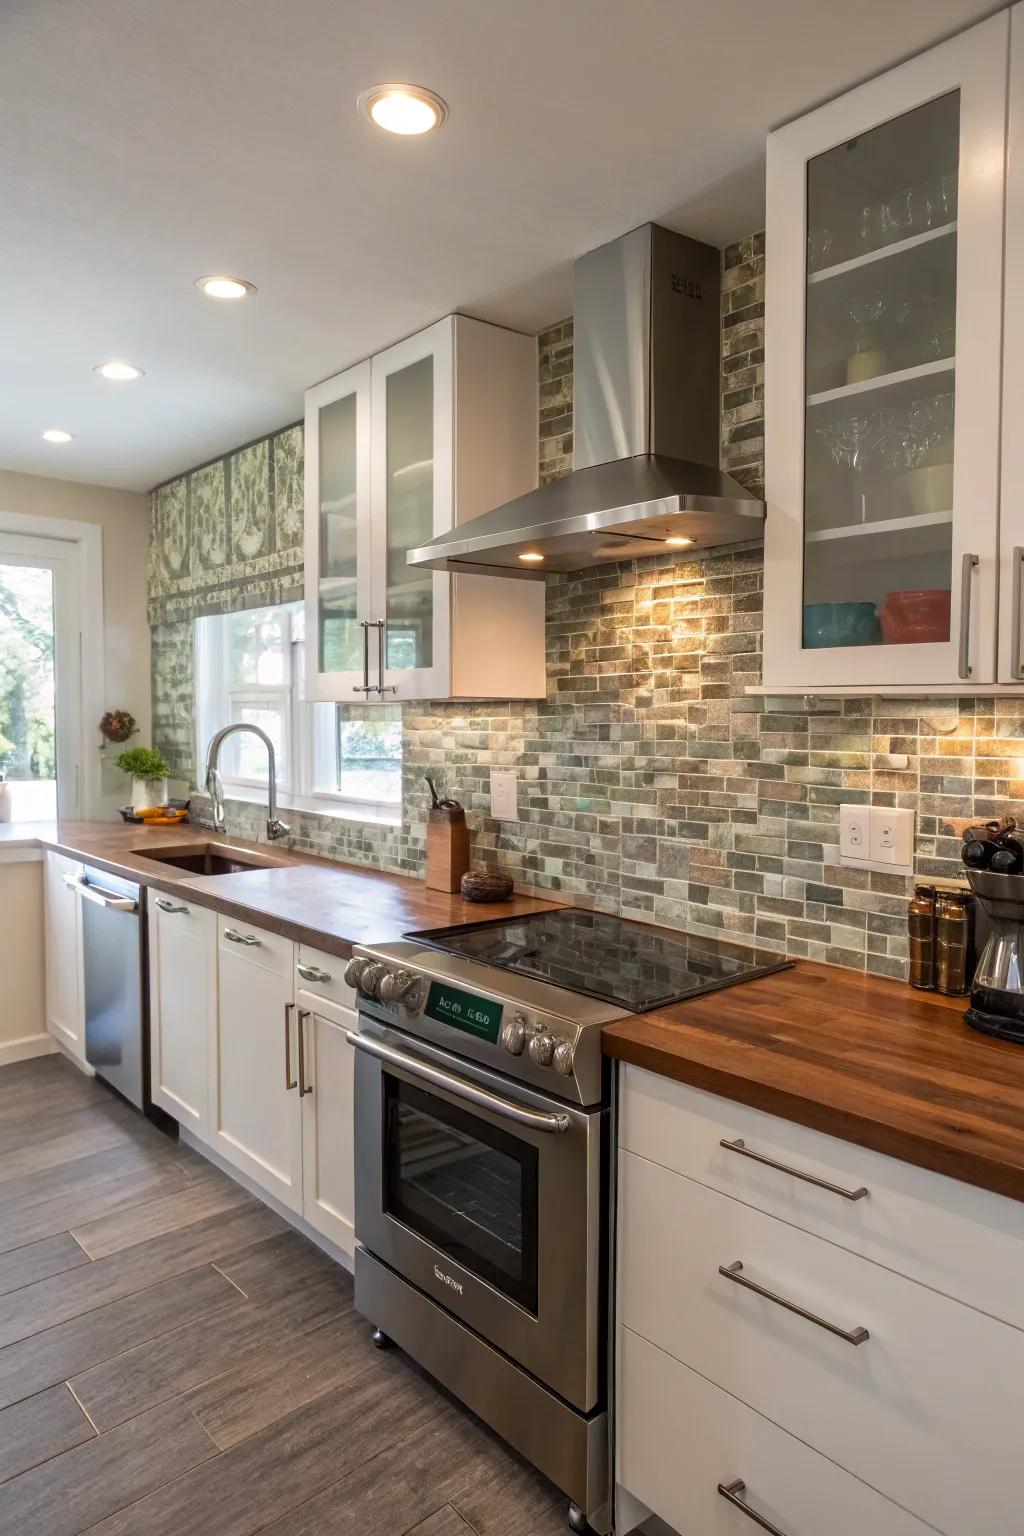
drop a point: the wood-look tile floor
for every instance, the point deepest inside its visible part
(176, 1361)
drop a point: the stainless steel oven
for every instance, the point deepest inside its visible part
(486, 1195)
(481, 1192)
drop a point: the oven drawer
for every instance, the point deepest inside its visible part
(966, 1242)
(486, 1196)
(680, 1438)
(926, 1408)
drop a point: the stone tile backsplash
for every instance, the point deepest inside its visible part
(650, 783)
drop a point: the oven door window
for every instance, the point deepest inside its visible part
(463, 1185)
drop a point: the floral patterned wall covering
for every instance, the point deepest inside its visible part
(228, 536)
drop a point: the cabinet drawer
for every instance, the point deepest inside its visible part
(679, 1437)
(322, 978)
(926, 1410)
(257, 945)
(966, 1242)
(177, 913)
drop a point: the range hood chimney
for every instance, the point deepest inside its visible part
(647, 349)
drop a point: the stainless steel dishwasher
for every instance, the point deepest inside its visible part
(112, 967)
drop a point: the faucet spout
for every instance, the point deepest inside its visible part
(215, 785)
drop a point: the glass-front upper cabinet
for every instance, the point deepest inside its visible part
(425, 435)
(882, 350)
(412, 500)
(337, 542)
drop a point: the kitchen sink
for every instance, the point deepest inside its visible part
(209, 859)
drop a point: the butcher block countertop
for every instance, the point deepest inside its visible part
(858, 1057)
(327, 905)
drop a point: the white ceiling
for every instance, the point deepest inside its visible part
(146, 142)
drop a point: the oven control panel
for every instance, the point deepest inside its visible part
(512, 1031)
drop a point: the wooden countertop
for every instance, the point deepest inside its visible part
(328, 905)
(865, 1059)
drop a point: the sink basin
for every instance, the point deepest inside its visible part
(209, 859)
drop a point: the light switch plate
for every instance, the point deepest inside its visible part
(877, 837)
(504, 797)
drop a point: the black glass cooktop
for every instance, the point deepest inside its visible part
(607, 957)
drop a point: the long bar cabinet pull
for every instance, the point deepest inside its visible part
(289, 1081)
(734, 1272)
(740, 1146)
(1017, 613)
(304, 1087)
(968, 568)
(381, 627)
(733, 1491)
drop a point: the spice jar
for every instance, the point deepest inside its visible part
(921, 926)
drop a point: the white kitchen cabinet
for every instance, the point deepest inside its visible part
(65, 1016)
(1011, 538)
(255, 1110)
(428, 434)
(883, 386)
(182, 1008)
(328, 1161)
(848, 1326)
(326, 1011)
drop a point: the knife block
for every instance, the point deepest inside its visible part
(447, 849)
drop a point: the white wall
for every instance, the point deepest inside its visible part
(22, 967)
(124, 519)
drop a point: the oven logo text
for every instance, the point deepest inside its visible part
(455, 1285)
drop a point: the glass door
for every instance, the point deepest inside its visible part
(40, 678)
(412, 500)
(337, 538)
(888, 455)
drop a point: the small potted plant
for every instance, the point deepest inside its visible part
(148, 770)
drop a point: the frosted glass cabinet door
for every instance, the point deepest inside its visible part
(337, 539)
(883, 349)
(411, 493)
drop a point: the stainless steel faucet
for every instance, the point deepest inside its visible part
(215, 786)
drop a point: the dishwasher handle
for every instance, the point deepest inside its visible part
(100, 897)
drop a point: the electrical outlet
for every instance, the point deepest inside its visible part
(892, 839)
(854, 834)
(504, 799)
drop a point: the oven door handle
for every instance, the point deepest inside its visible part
(458, 1087)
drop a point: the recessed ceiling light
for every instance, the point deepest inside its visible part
(57, 435)
(677, 540)
(406, 109)
(122, 372)
(225, 287)
(532, 555)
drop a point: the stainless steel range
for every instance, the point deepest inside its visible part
(483, 1164)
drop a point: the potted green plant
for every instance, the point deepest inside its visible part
(148, 770)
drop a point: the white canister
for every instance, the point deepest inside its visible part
(147, 793)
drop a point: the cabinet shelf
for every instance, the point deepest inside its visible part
(884, 525)
(883, 381)
(898, 247)
(889, 539)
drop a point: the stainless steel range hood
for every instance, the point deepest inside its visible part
(647, 347)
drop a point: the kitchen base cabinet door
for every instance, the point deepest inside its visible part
(680, 1438)
(64, 1006)
(327, 1129)
(182, 1008)
(256, 1122)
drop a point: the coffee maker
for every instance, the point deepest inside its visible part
(997, 991)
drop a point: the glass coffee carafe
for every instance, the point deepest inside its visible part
(997, 991)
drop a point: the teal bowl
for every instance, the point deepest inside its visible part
(830, 624)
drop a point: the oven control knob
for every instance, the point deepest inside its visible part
(398, 987)
(513, 1034)
(542, 1048)
(562, 1059)
(354, 970)
(371, 978)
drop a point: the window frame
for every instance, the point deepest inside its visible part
(311, 729)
